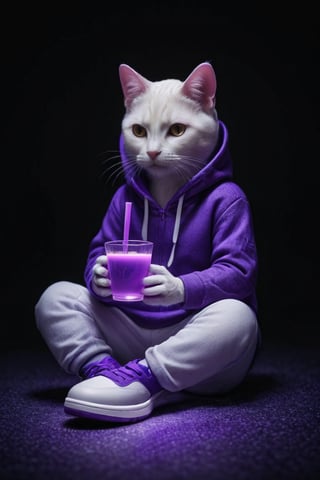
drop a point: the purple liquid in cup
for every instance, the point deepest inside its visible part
(128, 268)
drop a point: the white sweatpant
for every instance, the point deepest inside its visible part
(207, 353)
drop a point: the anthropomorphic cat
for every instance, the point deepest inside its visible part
(196, 331)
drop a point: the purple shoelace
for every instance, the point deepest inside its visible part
(100, 367)
(134, 372)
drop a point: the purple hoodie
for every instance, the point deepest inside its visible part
(204, 235)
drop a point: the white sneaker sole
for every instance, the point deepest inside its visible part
(121, 413)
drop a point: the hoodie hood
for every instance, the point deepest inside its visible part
(217, 170)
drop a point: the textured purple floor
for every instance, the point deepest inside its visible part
(267, 429)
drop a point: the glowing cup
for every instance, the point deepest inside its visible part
(128, 263)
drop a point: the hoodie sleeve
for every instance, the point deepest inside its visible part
(233, 269)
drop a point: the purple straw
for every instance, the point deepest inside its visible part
(127, 219)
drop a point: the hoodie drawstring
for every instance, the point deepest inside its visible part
(176, 230)
(144, 231)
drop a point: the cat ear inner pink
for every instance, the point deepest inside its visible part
(201, 85)
(132, 83)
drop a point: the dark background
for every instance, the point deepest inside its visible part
(63, 106)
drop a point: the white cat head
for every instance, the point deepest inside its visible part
(200, 86)
(170, 126)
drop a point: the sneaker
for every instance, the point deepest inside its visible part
(99, 367)
(126, 394)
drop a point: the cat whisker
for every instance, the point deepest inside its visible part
(193, 164)
(118, 169)
(132, 167)
(109, 159)
(193, 160)
(184, 174)
(107, 152)
(188, 168)
(113, 166)
(183, 166)
(114, 176)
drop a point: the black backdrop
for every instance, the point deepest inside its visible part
(62, 108)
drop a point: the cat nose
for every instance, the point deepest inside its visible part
(153, 154)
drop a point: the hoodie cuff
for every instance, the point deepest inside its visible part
(194, 291)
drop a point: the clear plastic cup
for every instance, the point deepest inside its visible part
(128, 264)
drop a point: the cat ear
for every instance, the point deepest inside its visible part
(132, 83)
(201, 85)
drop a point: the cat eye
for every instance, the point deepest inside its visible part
(138, 130)
(177, 129)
